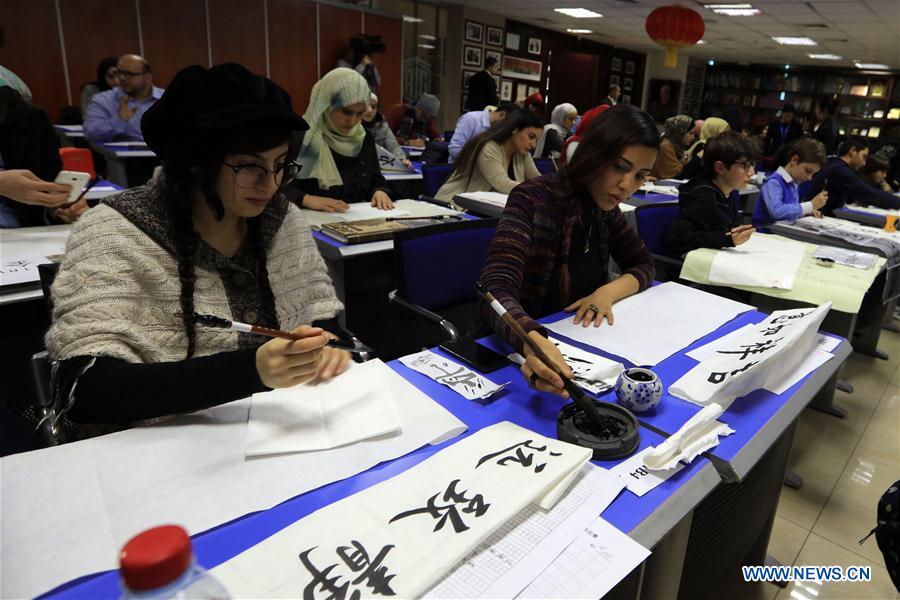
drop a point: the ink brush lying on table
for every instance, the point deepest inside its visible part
(354, 346)
(577, 394)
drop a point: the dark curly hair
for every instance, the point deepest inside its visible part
(184, 175)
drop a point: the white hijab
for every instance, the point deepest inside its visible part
(556, 123)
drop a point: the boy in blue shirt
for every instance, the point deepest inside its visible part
(779, 198)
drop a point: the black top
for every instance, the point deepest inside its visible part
(361, 175)
(552, 143)
(585, 275)
(828, 134)
(482, 91)
(775, 139)
(705, 218)
(28, 141)
(694, 166)
(846, 186)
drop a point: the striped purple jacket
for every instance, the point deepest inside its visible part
(533, 239)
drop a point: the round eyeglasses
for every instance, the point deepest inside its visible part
(255, 176)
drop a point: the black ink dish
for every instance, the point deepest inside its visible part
(617, 438)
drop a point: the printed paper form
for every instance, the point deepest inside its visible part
(512, 556)
(593, 564)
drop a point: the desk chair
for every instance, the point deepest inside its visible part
(434, 176)
(545, 165)
(77, 159)
(653, 223)
(436, 269)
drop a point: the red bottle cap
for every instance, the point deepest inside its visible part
(155, 557)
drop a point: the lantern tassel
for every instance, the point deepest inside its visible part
(671, 57)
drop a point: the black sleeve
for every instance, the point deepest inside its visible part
(695, 228)
(553, 143)
(115, 391)
(856, 190)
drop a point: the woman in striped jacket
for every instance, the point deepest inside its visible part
(558, 232)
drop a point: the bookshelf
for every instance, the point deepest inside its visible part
(869, 103)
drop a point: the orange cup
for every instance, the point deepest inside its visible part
(890, 223)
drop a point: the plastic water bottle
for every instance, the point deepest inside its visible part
(159, 564)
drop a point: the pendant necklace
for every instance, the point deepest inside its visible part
(587, 235)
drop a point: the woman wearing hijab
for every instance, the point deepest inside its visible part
(106, 80)
(373, 122)
(551, 142)
(338, 156)
(712, 127)
(676, 138)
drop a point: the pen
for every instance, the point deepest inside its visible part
(575, 392)
(213, 321)
(86, 189)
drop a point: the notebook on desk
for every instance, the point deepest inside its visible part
(374, 230)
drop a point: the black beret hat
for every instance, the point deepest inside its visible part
(200, 106)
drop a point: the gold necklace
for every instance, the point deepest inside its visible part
(587, 237)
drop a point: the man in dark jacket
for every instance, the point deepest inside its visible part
(839, 178)
(483, 87)
(827, 132)
(782, 131)
(28, 141)
(708, 214)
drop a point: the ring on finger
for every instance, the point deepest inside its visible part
(594, 308)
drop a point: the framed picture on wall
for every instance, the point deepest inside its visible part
(496, 79)
(628, 84)
(506, 90)
(472, 56)
(534, 45)
(512, 41)
(495, 54)
(474, 32)
(629, 67)
(533, 90)
(662, 98)
(613, 80)
(494, 36)
(466, 75)
(521, 92)
(626, 99)
(521, 68)
(465, 102)
(617, 64)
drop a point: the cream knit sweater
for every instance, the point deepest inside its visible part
(118, 290)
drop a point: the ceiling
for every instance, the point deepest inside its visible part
(861, 31)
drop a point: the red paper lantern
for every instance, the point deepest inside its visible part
(674, 27)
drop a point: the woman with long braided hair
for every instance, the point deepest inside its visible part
(213, 234)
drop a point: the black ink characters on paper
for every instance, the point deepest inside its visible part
(370, 572)
(449, 510)
(517, 454)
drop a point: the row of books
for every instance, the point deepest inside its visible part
(768, 83)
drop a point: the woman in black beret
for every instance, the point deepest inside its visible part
(213, 234)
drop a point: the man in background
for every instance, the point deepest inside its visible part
(614, 92)
(116, 114)
(483, 87)
(414, 124)
(474, 122)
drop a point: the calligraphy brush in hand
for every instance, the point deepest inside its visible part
(576, 393)
(213, 321)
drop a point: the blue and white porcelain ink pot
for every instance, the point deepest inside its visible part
(639, 389)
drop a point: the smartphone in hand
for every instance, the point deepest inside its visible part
(76, 179)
